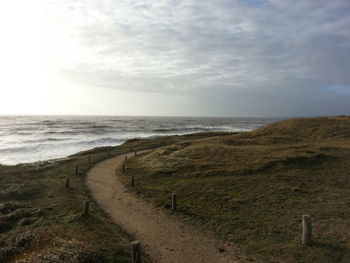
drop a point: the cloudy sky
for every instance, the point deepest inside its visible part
(168, 57)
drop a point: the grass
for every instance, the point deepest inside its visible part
(252, 188)
(41, 220)
(249, 188)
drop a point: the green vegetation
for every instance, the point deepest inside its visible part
(252, 188)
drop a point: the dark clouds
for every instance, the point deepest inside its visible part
(241, 57)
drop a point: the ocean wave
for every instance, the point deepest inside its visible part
(21, 149)
(28, 139)
(73, 133)
(43, 140)
(192, 129)
(102, 141)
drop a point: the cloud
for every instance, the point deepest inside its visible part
(195, 48)
(338, 89)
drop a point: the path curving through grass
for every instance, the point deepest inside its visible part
(164, 238)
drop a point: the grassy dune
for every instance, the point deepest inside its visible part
(41, 220)
(252, 188)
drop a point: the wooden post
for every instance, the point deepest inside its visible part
(135, 152)
(86, 207)
(132, 181)
(135, 252)
(123, 167)
(67, 182)
(173, 201)
(76, 169)
(307, 230)
(126, 158)
(89, 159)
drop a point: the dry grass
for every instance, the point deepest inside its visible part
(252, 188)
(249, 188)
(40, 219)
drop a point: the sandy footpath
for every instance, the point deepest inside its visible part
(163, 237)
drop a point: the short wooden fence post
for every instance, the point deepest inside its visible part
(307, 230)
(86, 207)
(135, 252)
(126, 158)
(123, 167)
(135, 152)
(89, 159)
(132, 181)
(67, 182)
(173, 201)
(76, 169)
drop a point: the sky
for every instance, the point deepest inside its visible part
(248, 58)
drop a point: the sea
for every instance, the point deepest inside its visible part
(26, 139)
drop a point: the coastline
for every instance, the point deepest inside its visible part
(34, 195)
(232, 185)
(27, 140)
(111, 147)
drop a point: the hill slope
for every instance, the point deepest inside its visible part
(322, 128)
(252, 188)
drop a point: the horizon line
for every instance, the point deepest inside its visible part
(159, 116)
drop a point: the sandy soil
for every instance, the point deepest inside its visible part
(163, 237)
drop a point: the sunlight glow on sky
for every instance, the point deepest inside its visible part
(211, 58)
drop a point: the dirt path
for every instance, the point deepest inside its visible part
(163, 237)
